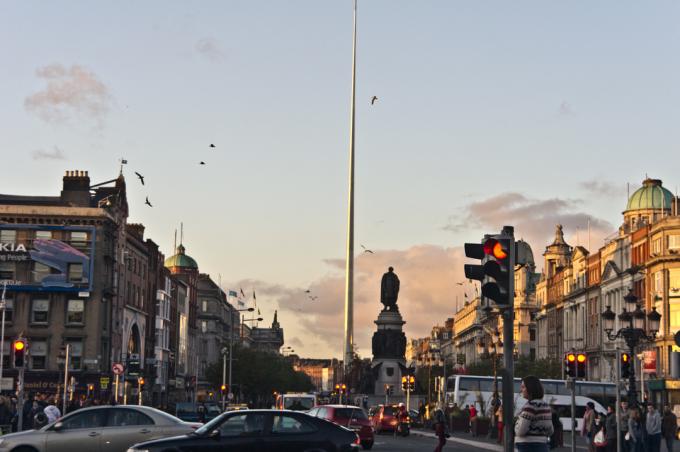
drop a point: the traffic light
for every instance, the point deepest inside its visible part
(142, 383)
(496, 272)
(19, 347)
(90, 387)
(625, 365)
(404, 383)
(581, 364)
(223, 390)
(570, 365)
(411, 383)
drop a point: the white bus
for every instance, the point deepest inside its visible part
(473, 390)
(295, 401)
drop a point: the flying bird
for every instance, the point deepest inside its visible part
(141, 178)
(147, 202)
(313, 298)
(373, 99)
(460, 283)
(308, 291)
(212, 145)
(202, 163)
(366, 250)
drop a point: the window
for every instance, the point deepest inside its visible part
(75, 355)
(205, 305)
(204, 326)
(9, 310)
(46, 235)
(121, 417)
(75, 273)
(78, 239)
(40, 271)
(243, 425)
(89, 419)
(38, 354)
(8, 236)
(40, 311)
(75, 311)
(658, 283)
(7, 270)
(286, 424)
(673, 242)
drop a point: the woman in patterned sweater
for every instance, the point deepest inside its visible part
(534, 424)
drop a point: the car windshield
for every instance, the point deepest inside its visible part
(355, 413)
(169, 418)
(389, 410)
(210, 425)
(298, 403)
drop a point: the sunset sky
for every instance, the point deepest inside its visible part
(527, 113)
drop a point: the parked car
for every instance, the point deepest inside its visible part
(99, 429)
(352, 417)
(260, 431)
(191, 412)
(384, 418)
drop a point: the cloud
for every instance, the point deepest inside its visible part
(534, 219)
(565, 109)
(427, 297)
(54, 154)
(603, 188)
(210, 48)
(69, 91)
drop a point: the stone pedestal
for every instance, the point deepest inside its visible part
(389, 349)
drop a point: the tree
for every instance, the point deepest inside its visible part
(258, 374)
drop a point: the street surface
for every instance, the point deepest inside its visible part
(416, 443)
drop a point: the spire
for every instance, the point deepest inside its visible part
(275, 323)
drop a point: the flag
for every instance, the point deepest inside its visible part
(232, 293)
(242, 292)
(254, 297)
(123, 162)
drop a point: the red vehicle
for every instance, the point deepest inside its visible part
(348, 416)
(385, 418)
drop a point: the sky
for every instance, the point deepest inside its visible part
(527, 113)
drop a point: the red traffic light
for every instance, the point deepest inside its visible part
(494, 248)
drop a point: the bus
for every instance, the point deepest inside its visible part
(295, 401)
(476, 390)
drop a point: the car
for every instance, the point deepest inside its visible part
(384, 418)
(352, 417)
(260, 431)
(99, 429)
(191, 412)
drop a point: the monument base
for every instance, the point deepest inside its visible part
(389, 348)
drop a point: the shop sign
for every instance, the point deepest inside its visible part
(104, 383)
(649, 361)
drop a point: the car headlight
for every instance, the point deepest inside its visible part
(132, 449)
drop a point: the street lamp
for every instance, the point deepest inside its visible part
(231, 346)
(496, 343)
(632, 331)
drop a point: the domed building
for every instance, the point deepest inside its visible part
(647, 205)
(181, 262)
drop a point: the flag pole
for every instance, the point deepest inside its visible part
(349, 262)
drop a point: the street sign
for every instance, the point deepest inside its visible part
(104, 382)
(230, 396)
(118, 368)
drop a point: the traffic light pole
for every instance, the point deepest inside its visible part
(508, 350)
(20, 401)
(618, 400)
(572, 386)
(66, 363)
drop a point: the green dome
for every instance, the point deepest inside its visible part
(650, 196)
(180, 259)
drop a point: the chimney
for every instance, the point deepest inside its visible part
(76, 189)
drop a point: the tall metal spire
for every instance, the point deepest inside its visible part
(349, 262)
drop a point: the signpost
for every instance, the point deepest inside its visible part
(118, 370)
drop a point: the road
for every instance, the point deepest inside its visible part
(416, 443)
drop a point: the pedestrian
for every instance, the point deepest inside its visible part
(669, 427)
(440, 429)
(653, 429)
(600, 438)
(421, 412)
(466, 417)
(534, 423)
(5, 415)
(635, 429)
(610, 428)
(588, 428)
(623, 426)
(556, 439)
(51, 410)
(473, 411)
(499, 422)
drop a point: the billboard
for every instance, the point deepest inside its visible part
(47, 258)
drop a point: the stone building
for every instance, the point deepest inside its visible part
(267, 339)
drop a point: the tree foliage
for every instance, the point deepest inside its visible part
(541, 368)
(256, 375)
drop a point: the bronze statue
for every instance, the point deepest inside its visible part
(389, 290)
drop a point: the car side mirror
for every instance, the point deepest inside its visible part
(58, 427)
(215, 434)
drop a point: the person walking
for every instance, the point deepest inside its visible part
(534, 424)
(600, 438)
(556, 438)
(653, 429)
(499, 422)
(635, 429)
(588, 428)
(623, 426)
(669, 427)
(440, 429)
(52, 411)
(610, 429)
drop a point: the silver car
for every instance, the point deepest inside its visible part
(98, 429)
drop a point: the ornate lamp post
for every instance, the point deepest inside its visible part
(482, 351)
(632, 331)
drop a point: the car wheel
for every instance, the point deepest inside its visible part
(24, 449)
(367, 445)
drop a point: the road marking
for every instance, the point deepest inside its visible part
(468, 442)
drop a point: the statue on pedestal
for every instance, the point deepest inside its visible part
(389, 290)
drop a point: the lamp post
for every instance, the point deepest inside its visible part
(482, 351)
(231, 345)
(632, 331)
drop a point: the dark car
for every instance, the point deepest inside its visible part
(197, 412)
(260, 431)
(352, 417)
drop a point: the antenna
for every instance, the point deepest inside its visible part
(181, 233)
(175, 244)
